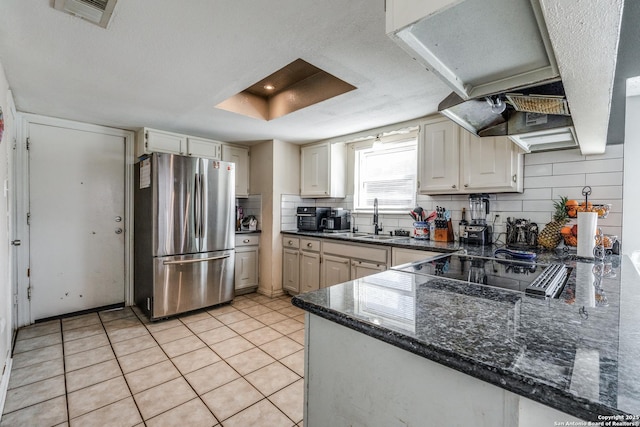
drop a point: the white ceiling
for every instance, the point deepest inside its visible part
(165, 64)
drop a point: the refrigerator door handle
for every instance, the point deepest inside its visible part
(197, 210)
(192, 261)
(202, 207)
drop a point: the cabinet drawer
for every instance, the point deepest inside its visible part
(365, 252)
(247, 240)
(310, 245)
(290, 242)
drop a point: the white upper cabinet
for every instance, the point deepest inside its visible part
(490, 164)
(158, 141)
(323, 170)
(239, 156)
(207, 148)
(439, 157)
(154, 141)
(453, 161)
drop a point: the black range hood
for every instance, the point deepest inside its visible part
(535, 118)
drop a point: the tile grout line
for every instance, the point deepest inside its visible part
(64, 373)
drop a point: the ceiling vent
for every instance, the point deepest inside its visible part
(98, 12)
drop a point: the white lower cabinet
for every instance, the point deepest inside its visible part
(309, 271)
(401, 256)
(246, 263)
(310, 264)
(360, 269)
(335, 269)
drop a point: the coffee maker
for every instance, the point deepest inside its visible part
(478, 232)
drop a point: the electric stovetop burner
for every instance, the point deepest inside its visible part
(535, 279)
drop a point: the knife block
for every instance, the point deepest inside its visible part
(443, 234)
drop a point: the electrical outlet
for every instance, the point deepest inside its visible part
(497, 219)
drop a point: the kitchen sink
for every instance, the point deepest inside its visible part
(379, 237)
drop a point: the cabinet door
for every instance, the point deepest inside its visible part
(239, 156)
(489, 164)
(246, 268)
(360, 269)
(439, 157)
(291, 270)
(309, 271)
(164, 142)
(335, 270)
(206, 148)
(314, 173)
(402, 256)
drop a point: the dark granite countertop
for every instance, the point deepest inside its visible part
(579, 354)
(397, 241)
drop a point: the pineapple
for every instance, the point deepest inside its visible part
(550, 236)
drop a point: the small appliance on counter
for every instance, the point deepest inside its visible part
(309, 218)
(478, 232)
(338, 219)
(249, 223)
(521, 233)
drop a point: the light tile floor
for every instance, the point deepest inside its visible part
(239, 364)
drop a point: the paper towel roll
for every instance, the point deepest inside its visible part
(587, 223)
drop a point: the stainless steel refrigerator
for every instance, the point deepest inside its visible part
(184, 234)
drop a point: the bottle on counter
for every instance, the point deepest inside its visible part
(463, 224)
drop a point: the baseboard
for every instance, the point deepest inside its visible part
(4, 384)
(271, 293)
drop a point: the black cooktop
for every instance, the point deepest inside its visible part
(502, 273)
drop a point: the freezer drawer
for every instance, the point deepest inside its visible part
(188, 282)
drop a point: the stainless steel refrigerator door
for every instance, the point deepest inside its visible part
(174, 180)
(218, 205)
(189, 282)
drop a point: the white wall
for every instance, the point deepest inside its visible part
(547, 176)
(6, 313)
(631, 225)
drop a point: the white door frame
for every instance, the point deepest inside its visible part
(25, 316)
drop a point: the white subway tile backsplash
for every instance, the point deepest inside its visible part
(505, 205)
(537, 205)
(528, 194)
(538, 170)
(606, 178)
(553, 157)
(577, 180)
(589, 166)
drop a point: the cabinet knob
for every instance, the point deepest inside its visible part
(246, 241)
(515, 178)
(466, 185)
(453, 186)
(309, 245)
(290, 242)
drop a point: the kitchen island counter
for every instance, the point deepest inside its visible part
(577, 354)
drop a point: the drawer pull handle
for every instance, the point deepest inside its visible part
(246, 241)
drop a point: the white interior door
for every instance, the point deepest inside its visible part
(76, 192)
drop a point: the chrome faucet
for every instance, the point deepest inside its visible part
(376, 227)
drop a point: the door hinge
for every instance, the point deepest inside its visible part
(29, 272)
(146, 140)
(28, 218)
(29, 293)
(28, 143)
(15, 299)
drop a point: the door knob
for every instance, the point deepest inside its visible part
(118, 219)
(118, 230)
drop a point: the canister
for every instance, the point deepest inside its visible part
(421, 230)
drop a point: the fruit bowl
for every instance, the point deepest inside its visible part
(609, 240)
(602, 210)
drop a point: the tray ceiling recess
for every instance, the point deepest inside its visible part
(478, 47)
(295, 86)
(98, 12)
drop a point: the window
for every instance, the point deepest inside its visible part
(386, 172)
